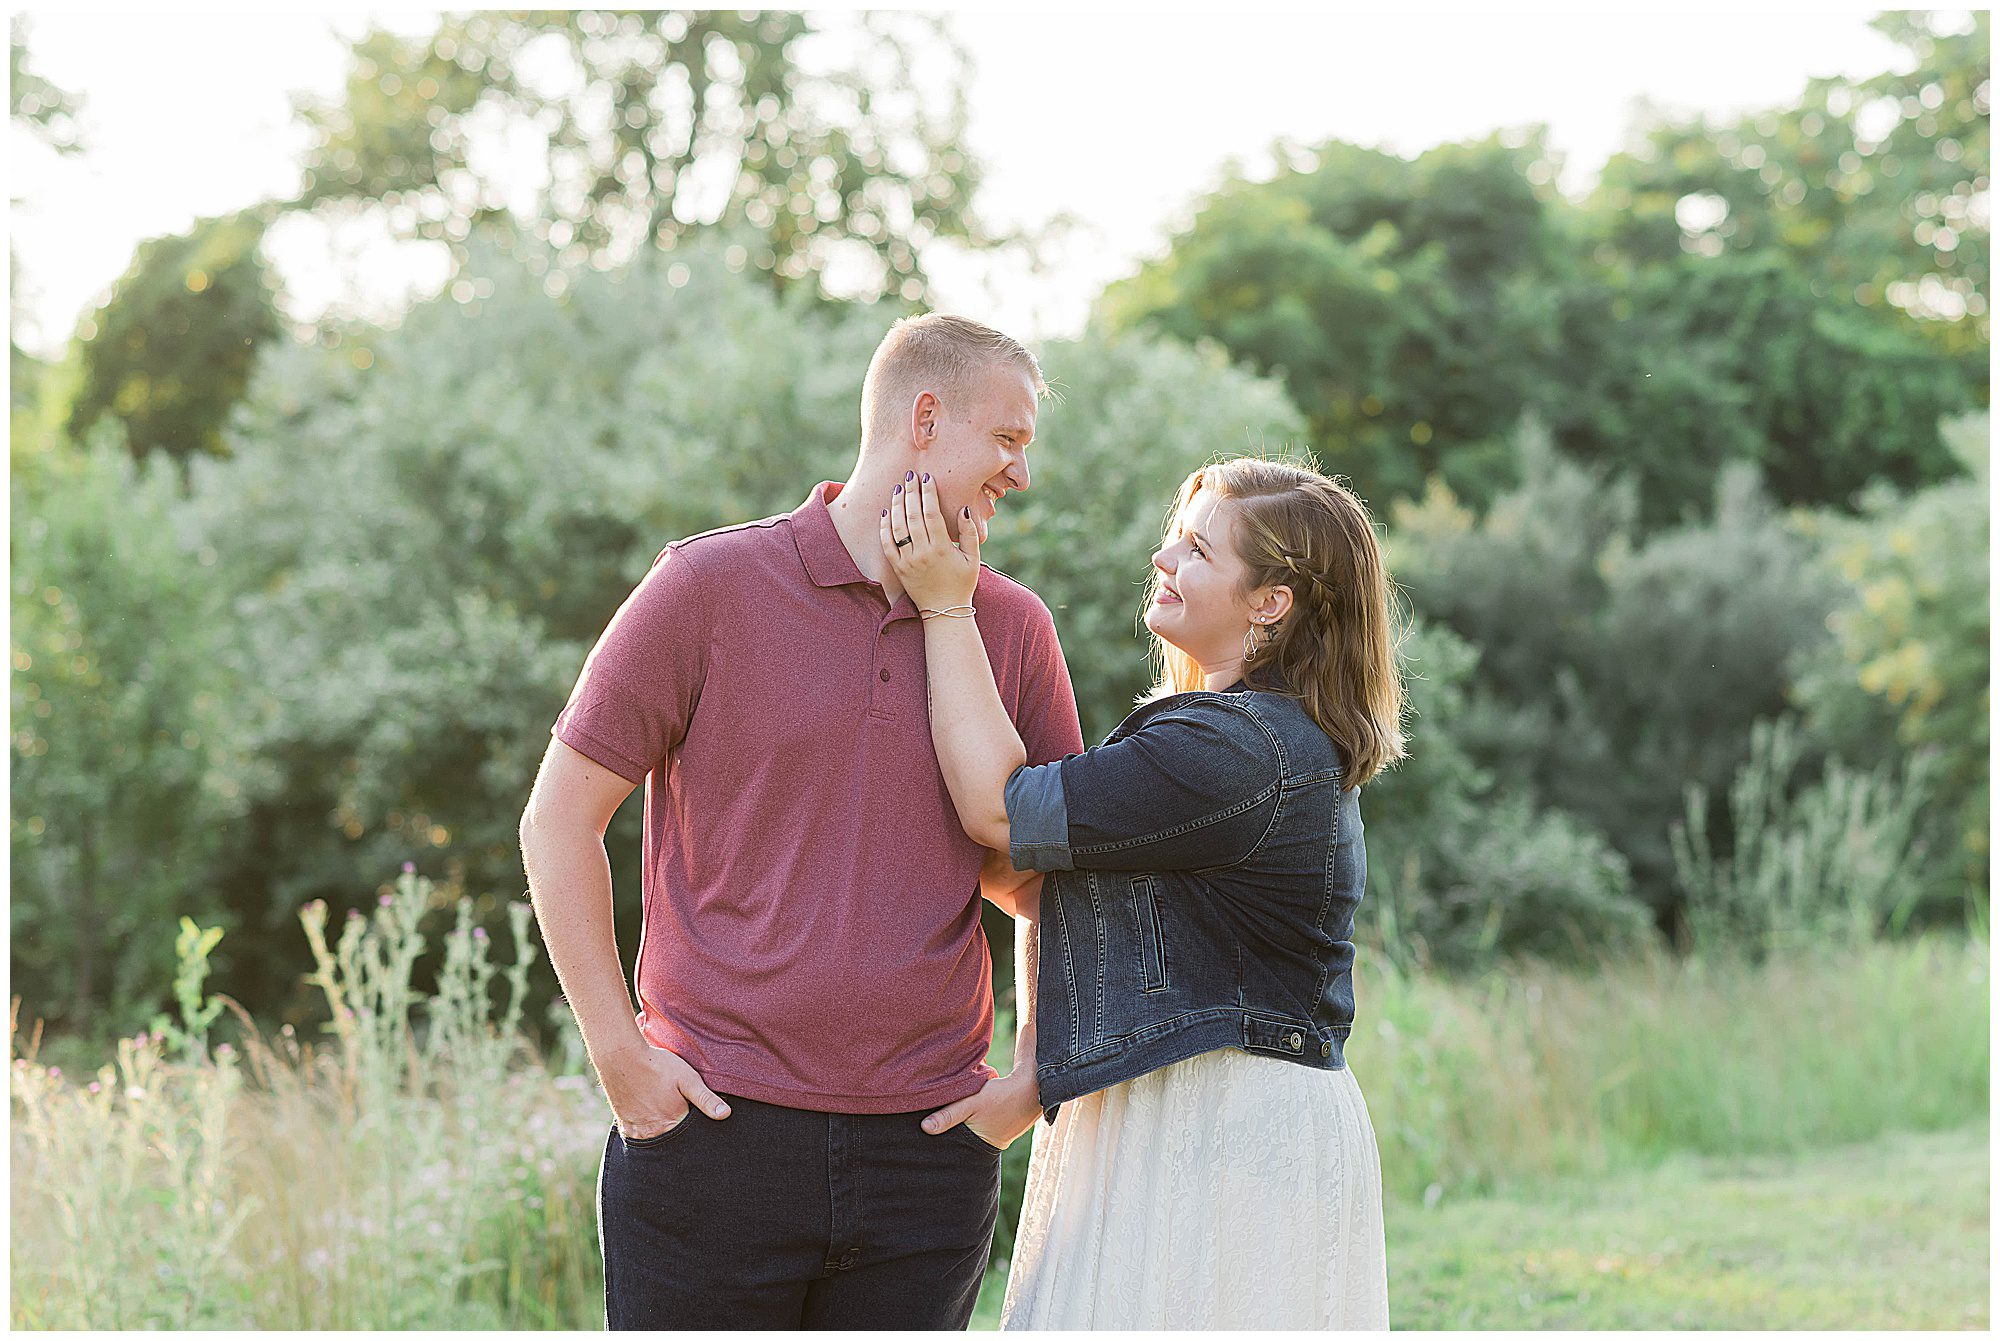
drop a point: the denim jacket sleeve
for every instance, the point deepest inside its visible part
(1195, 786)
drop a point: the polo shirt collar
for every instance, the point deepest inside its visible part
(821, 549)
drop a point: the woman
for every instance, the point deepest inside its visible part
(1211, 1162)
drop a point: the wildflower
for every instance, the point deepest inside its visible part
(479, 933)
(56, 1072)
(409, 868)
(95, 1087)
(135, 1092)
(224, 1050)
(386, 900)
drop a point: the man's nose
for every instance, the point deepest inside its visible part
(1017, 473)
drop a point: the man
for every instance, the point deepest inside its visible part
(813, 982)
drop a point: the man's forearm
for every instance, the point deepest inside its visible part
(569, 881)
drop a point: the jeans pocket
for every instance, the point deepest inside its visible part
(968, 1136)
(661, 1138)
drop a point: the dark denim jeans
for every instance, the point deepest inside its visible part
(781, 1218)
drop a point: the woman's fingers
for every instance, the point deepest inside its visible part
(933, 514)
(908, 513)
(889, 540)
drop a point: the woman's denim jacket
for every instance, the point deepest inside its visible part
(1204, 866)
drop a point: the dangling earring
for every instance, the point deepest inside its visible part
(1250, 648)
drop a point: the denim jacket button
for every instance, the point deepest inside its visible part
(1326, 1049)
(1296, 1041)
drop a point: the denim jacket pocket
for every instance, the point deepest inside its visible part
(1150, 936)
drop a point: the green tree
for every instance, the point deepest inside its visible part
(656, 124)
(1701, 362)
(1615, 669)
(1875, 188)
(120, 718)
(170, 351)
(1908, 669)
(1405, 304)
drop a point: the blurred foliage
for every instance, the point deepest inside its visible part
(651, 125)
(1405, 305)
(1828, 862)
(1463, 866)
(1874, 188)
(121, 792)
(169, 353)
(48, 111)
(1614, 669)
(1908, 668)
(50, 114)
(1783, 291)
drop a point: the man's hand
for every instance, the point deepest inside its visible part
(1003, 1110)
(651, 1093)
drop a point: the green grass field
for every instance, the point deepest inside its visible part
(1652, 1143)
(1890, 1233)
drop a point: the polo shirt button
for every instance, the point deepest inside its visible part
(885, 675)
(1297, 1041)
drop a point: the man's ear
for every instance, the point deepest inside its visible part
(924, 421)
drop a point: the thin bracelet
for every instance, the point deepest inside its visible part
(949, 612)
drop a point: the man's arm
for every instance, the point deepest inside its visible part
(569, 882)
(1001, 885)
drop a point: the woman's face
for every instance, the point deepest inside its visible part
(1199, 604)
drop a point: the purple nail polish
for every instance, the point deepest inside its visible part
(899, 488)
(927, 477)
(909, 475)
(885, 512)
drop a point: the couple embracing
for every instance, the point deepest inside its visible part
(850, 733)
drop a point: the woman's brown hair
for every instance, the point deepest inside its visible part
(1336, 649)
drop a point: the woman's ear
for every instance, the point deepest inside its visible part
(1273, 604)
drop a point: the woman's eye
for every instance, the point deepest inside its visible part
(1196, 548)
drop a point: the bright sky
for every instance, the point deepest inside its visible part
(1118, 118)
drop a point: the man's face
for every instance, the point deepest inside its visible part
(978, 451)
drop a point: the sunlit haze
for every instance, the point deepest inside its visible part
(1114, 120)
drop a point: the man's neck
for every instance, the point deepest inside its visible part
(857, 516)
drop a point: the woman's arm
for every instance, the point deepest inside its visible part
(977, 745)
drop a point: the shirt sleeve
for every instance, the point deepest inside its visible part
(1195, 787)
(632, 703)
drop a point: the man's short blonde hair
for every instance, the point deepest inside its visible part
(934, 350)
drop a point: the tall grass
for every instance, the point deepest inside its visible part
(422, 1166)
(1531, 1070)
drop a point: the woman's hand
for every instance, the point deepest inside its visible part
(937, 574)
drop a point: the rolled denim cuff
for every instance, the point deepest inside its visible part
(1038, 819)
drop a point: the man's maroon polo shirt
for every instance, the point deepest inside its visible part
(811, 928)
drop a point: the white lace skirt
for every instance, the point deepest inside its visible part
(1228, 1190)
